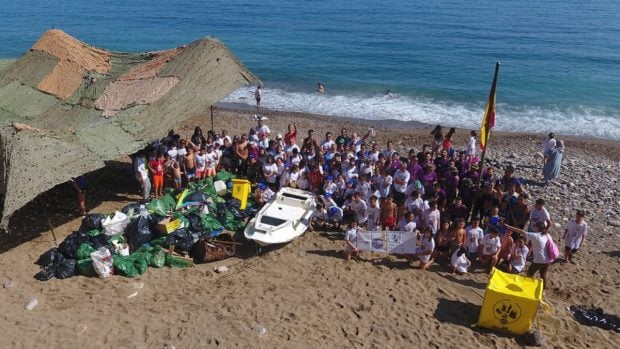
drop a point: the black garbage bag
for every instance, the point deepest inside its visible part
(127, 208)
(46, 273)
(91, 221)
(138, 233)
(196, 196)
(237, 213)
(98, 241)
(154, 219)
(66, 269)
(222, 211)
(234, 202)
(51, 257)
(195, 222)
(182, 239)
(69, 246)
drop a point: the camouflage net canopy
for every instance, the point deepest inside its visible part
(67, 107)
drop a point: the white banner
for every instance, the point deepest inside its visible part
(394, 242)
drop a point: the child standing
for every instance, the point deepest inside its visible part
(156, 167)
(574, 235)
(350, 239)
(389, 211)
(373, 213)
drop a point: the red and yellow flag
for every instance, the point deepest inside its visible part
(488, 121)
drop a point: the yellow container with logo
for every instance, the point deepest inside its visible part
(510, 302)
(241, 191)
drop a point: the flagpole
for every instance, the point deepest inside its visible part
(486, 138)
(487, 128)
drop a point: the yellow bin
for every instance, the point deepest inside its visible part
(241, 190)
(510, 302)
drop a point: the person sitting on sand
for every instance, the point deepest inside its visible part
(459, 261)
(574, 235)
(517, 256)
(350, 239)
(491, 246)
(319, 218)
(425, 250)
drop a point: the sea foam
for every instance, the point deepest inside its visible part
(574, 120)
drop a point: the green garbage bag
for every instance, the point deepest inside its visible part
(162, 206)
(218, 199)
(118, 239)
(85, 267)
(158, 258)
(224, 175)
(124, 265)
(94, 232)
(84, 251)
(141, 265)
(231, 224)
(160, 241)
(210, 223)
(176, 262)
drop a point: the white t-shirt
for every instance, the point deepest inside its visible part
(474, 238)
(403, 176)
(373, 214)
(574, 235)
(270, 169)
(327, 145)
(426, 245)
(262, 130)
(459, 262)
(471, 146)
(364, 189)
(201, 162)
(351, 236)
(140, 168)
(490, 245)
(360, 210)
(539, 216)
(383, 184)
(539, 244)
(403, 225)
(416, 206)
(548, 144)
(211, 160)
(518, 263)
(431, 219)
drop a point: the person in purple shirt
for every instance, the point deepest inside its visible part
(429, 178)
(415, 170)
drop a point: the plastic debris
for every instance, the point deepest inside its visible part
(32, 303)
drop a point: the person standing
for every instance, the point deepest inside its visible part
(539, 239)
(79, 184)
(553, 162)
(257, 96)
(574, 236)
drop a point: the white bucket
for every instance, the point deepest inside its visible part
(220, 187)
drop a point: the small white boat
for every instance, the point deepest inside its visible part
(283, 219)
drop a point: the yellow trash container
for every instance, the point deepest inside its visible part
(241, 190)
(510, 302)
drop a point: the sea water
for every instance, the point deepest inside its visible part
(560, 60)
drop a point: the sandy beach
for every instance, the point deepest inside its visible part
(304, 294)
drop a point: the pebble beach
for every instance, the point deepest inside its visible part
(303, 294)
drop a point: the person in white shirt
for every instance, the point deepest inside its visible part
(517, 256)
(201, 162)
(350, 239)
(415, 204)
(261, 129)
(539, 239)
(431, 217)
(407, 223)
(471, 144)
(548, 143)
(400, 181)
(474, 237)
(459, 261)
(359, 206)
(539, 214)
(327, 144)
(212, 159)
(142, 174)
(425, 250)
(574, 235)
(491, 245)
(319, 218)
(270, 170)
(257, 96)
(263, 194)
(384, 183)
(374, 213)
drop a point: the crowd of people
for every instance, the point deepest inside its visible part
(432, 190)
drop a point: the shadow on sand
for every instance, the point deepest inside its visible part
(57, 206)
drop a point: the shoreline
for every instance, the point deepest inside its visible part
(589, 144)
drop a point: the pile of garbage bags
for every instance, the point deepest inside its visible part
(140, 236)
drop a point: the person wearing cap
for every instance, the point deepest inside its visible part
(575, 234)
(280, 141)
